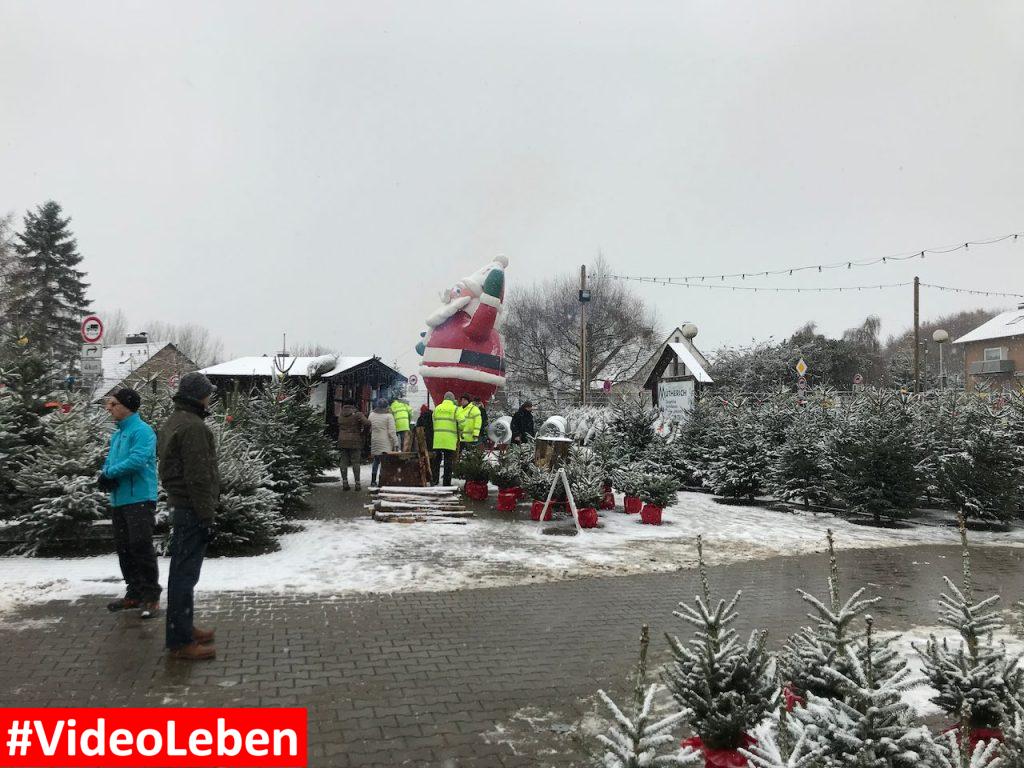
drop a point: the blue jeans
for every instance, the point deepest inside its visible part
(188, 545)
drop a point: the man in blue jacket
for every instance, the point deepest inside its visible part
(129, 474)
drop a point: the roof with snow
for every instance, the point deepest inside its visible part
(122, 360)
(693, 365)
(1001, 326)
(324, 366)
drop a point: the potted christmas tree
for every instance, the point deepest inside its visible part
(657, 492)
(537, 483)
(473, 468)
(977, 679)
(508, 474)
(629, 480)
(586, 481)
(726, 686)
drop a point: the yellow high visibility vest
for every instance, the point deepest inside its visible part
(469, 422)
(402, 414)
(446, 435)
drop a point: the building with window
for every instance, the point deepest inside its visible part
(994, 352)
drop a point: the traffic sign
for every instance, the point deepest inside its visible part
(801, 383)
(92, 329)
(801, 367)
(414, 380)
(92, 351)
(607, 386)
(92, 366)
(858, 379)
(172, 380)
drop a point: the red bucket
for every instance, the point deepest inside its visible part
(632, 505)
(650, 514)
(537, 507)
(507, 499)
(476, 489)
(588, 517)
(608, 502)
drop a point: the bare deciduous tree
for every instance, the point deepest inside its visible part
(311, 349)
(193, 341)
(542, 333)
(115, 326)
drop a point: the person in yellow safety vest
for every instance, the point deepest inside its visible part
(402, 412)
(468, 417)
(446, 438)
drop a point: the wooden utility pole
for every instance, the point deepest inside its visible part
(584, 378)
(917, 334)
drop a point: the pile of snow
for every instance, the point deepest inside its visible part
(342, 557)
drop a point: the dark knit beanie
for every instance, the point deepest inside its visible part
(194, 386)
(129, 398)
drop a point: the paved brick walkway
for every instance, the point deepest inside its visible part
(471, 678)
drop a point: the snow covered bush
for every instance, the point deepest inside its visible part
(510, 468)
(58, 482)
(473, 466)
(634, 742)
(586, 477)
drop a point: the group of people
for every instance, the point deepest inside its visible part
(449, 427)
(184, 457)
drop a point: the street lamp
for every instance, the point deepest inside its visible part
(940, 337)
(689, 331)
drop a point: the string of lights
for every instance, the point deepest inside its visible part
(826, 289)
(848, 264)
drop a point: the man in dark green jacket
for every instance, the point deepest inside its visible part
(188, 472)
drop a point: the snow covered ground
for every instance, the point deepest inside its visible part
(347, 556)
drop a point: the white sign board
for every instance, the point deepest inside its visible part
(92, 329)
(676, 399)
(92, 359)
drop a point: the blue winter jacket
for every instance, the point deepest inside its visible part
(132, 462)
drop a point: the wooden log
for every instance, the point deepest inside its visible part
(398, 505)
(424, 453)
(426, 513)
(388, 518)
(446, 490)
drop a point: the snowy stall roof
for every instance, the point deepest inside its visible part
(693, 365)
(1001, 326)
(263, 366)
(122, 360)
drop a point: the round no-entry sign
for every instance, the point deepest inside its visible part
(92, 329)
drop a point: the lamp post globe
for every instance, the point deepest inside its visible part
(689, 330)
(940, 337)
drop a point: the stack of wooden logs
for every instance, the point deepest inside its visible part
(401, 504)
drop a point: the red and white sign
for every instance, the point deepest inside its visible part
(413, 380)
(92, 329)
(858, 379)
(173, 380)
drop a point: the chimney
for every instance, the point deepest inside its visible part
(137, 338)
(1021, 305)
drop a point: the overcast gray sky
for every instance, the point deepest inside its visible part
(325, 168)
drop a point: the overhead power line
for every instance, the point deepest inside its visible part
(848, 264)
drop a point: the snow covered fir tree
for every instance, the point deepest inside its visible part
(59, 497)
(724, 684)
(45, 291)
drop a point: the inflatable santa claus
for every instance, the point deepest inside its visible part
(463, 351)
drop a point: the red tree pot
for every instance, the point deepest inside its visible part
(721, 758)
(977, 734)
(650, 514)
(632, 505)
(588, 517)
(507, 498)
(476, 489)
(537, 507)
(608, 502)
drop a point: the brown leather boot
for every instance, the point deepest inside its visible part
(193, 652)
(149, 610)
(202, 636)
(122, 604)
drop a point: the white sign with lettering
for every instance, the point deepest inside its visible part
(676, 399)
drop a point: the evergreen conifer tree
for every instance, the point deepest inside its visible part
(976, 677)
(800, 469)
(739, 465)
(870, 725)
(875, 458)
(248, 517)
(813, 656)
(46, 289)
(983, 478)
(725, 685)
(58, 483)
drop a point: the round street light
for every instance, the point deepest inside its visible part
(689, 330)
(940, 337)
